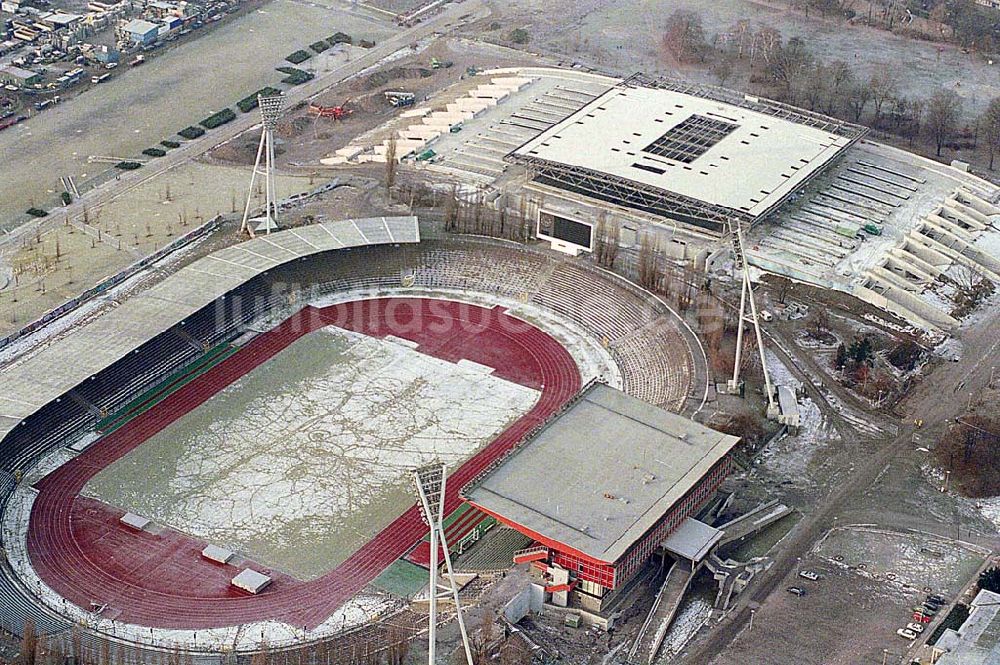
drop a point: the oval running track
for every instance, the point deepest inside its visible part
(449, 330)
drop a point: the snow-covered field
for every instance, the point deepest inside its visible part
(305, 458)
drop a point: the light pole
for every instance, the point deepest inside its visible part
(430, 482)
(270, 111)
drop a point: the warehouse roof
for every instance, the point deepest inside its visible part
(597, 477)
(35, 380)
(746, 157)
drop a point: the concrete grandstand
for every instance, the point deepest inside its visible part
(517, 313)
(681, 162)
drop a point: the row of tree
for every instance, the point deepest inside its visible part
(760, 59)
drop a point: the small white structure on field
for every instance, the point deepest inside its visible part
(251, 581)
(217, 554)
(137, 522)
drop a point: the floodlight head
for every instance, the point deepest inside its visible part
(427, 481)
(270, 109)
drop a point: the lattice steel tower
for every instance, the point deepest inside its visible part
(270, 111)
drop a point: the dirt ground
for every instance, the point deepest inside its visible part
(303, 139)
(131, 226)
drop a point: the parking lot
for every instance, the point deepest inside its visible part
(868, 582)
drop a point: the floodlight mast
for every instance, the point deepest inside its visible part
(746, 295)
(430, 482)
(270, 112)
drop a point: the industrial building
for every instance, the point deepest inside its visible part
(19, 77)
(141, 32)
(600, 488)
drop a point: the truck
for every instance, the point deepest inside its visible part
(100, 78)
(400, 98)
(139, 59)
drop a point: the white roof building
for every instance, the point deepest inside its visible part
(696, 154)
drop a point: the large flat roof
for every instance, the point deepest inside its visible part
(36, 379)
(602, 473)
(746, 157)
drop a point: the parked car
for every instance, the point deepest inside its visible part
(908, 634)
(796, 591)
(938, 598)
(809, 575)
(915, 627)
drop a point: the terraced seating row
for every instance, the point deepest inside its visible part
(656, 368)
(654, 359)
(574, 292)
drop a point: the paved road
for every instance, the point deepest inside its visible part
(443, 22)
(972, 372)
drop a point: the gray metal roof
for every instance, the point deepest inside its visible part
(602, 473)
(692, 540)
(36, 379)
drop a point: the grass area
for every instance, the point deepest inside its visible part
(170, 144)
(154, 152)
(402, 578)
(319, 47)
(128, 165)
(218, 118)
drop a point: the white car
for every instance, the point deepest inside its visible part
(809, 575)
(915, 627)
(907, 633)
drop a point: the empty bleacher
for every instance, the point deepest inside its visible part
(639, 331)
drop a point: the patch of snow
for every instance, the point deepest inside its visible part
(685, 625)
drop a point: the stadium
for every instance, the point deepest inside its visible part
(259, 409)
(220, 463)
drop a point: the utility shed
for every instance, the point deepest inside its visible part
(789, 407)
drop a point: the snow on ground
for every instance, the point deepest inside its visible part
(915, 559)
(989, 508)
(592, 359)
(301, 461)
(789, 456)
(358, 611)
(687, 622)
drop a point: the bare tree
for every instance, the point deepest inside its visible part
(858, 96)
(991, 128)
(684, 36)
(647, 262)
(391, 164)
(791, 67)
(722, 69)
(942, 115)
(884, 87)
(840, 79)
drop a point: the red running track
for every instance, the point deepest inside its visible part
(84, 562)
